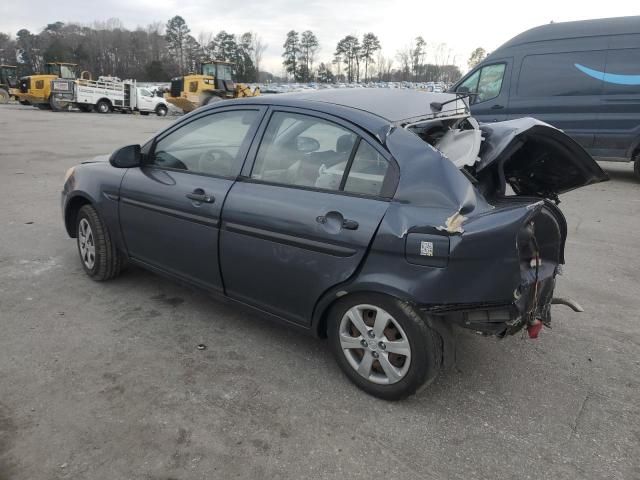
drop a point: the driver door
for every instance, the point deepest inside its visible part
(170, 207)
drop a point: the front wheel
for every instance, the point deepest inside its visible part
(383, 345)
(161, 110)
(100, 258)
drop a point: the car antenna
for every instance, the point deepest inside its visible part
(437, 106)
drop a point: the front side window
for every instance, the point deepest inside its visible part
(211, 145)
(485, 82)
(490, 82)
(225, 72)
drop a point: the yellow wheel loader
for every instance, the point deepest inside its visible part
(213, 83)
(36, 89)
(8, 82)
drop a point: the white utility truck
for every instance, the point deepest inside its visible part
(105, 95)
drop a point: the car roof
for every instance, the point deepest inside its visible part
(392, 105)
(578, 29)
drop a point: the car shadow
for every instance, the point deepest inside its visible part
(477, 356)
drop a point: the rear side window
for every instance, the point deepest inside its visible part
(561, 74)
(367, 172)
(301, 150)
(622, 72)
(297, 148)
(485, 82)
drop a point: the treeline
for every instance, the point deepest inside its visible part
(159, 52)
(154, 53)
(356, 60)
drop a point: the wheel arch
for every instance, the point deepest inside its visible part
(437, 323)
(330, 298)
(72, 207)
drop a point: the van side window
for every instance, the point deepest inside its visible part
(561, 74)
(485, 82)
(622, 72)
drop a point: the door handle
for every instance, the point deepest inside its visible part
(350, 224)
(497, 107)
(198, 195)
(335, 221)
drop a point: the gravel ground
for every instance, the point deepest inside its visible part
(104, 381)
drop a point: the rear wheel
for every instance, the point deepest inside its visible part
(100, 258)
(4, 96)
(103, 107)
(383, 345)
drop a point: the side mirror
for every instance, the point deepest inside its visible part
(463, 90)
(126, 157)
(307, 144)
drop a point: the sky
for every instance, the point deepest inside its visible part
(463, 27)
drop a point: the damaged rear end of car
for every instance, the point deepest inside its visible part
(485, 241)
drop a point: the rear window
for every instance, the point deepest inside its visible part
(560, 74)
(622, 73)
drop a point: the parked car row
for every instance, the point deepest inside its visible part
(436, 87)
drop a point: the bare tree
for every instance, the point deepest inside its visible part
(259, 48)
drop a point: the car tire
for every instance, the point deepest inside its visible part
(103, 107)
(636, 167)
(100, 258)
(161, 111)
(4, 96)
(391, 375)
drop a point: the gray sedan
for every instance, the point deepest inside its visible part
(379, 219)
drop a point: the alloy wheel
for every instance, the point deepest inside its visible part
(87, 244)
(375, 344)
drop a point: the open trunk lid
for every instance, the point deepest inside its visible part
(534, 158)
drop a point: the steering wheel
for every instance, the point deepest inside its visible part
(216, 162)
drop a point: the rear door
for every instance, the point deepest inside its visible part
(170, 208)
(490, 84)
(301, 219)
(619, 133)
